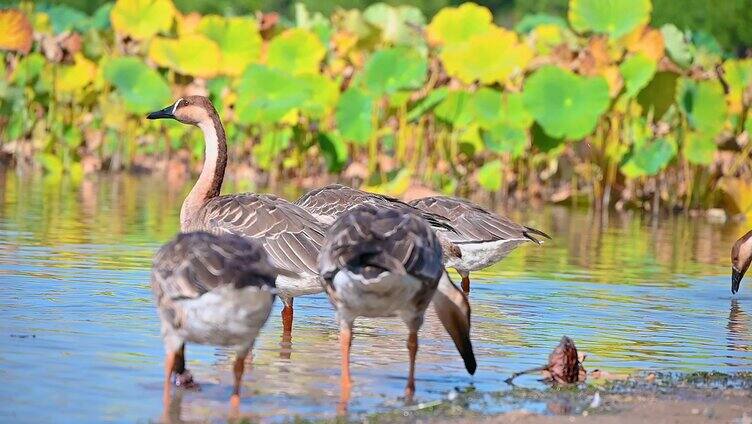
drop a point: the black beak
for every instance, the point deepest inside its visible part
(736, 280)
(165, 113)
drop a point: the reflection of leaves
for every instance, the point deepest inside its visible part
(142, 19)
(296, 51)
(637, 72)
(458, 24)
(238, 40)
(565, 104)
(354, 114)
(180, 55)
(16, 31)
(489, 176)
(394, 69)
(613, 17)
(142, 88)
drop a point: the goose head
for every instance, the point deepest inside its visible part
(191, 110)
(741, 257)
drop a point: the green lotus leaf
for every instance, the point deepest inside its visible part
(334, 150)
(489, 176)
(704, 105)
(29, 68)
(142, 88)
(433, 98)
(390, 70)
(354, 115)
(738, 74)
(505, 138)
(564, 104)
(454, 25)
(544, 142)
(101, 18)
(141, 19)
(320, 92)
(699, 148)
(266, 95)
(677, 45)
(272, 144)
(238, 39)
(182, 55)
(64, 18)
(491, 108)
(479, 58)
(316, 22)
(637, 72)
(659, 94)
(398, 24)
(296, 51)
(613, 17)
(455, 109)
(649, 158)
(530, 22)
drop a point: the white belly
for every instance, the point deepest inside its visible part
(477, 256)
(226, 316)
(388, 295)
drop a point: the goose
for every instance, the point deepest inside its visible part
(215, 290)
(380, 262)
(484, 238)
(290, 236)
(741, 257)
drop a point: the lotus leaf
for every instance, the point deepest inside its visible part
(266, 95)
(704, 105)
(531, 22)
(28, 69)
(74, 77)
(677, 45)
(479, 57)
(16, 31)
(390, 70)
(432, 99)
(399, 25)
(317, 22)
(64, 18)
(101, 18)
(296, 51)
(505, 138)
(272, 144)
(738, 73)
(142, 88)
(659, 94)
(699, 148)
(564, 104)
(613, 17)
(334, 150)
(455, 109)
(649, 158)
(238, 39)
(544, 142)
(637, 72)
(141, 19)
(182, 55)
(491, 108)
(489, 176)
(454, 25)
(321, 94)
(354, 115)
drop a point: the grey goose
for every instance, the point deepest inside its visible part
(741, 258)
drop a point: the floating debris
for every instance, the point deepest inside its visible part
(564, 365)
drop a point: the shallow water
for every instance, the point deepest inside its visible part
(79, 336)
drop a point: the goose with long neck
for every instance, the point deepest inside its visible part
(290, 236)
(741, 258)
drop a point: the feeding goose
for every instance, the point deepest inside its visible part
(484, 238)
(741, 258)
(380, 262)
(215, 290)
(290, 236)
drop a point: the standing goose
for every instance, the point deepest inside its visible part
(741, 258)
(290, 236)
(379, 262)
(210, 289)
(484, 238)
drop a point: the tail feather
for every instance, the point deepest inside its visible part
(453, 311)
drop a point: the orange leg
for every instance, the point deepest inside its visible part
(345, 341)
(169, 366)
(238, 369)
(287, 314)
(466, 284)
(412, 348)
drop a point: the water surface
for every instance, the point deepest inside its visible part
(79, 336)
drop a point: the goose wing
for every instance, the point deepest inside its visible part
(368, 240)
(290, 236)
(474, 224)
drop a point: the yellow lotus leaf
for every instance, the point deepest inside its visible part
(142, 19)
(739, 78)
(645, 40)
(16, 33)
(193, 55)
(187, 23)
(458, 24)
(41, 22)
(613, 78)
(297, 51)
(546, 37)
(74, 77)
(738, 194)
(238, 39)
(490, 57)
